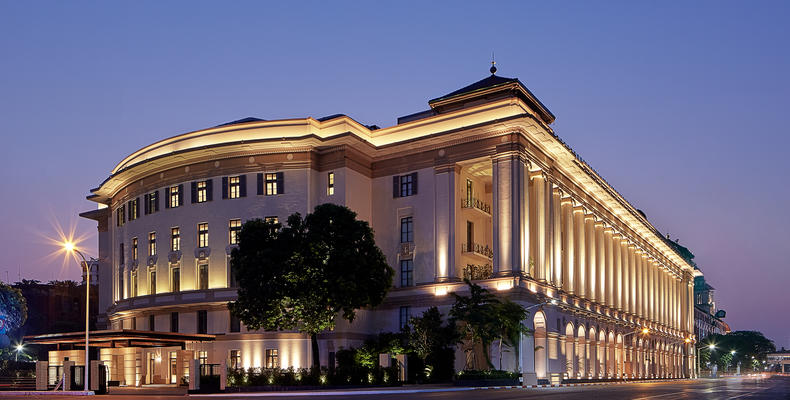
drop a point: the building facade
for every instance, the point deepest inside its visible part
(477, 186)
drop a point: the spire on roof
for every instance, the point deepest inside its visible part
(493, 64)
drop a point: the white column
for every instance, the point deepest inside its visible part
(539, 226)
(609, 264)
(590, 253)
(624, 264)
(556, 240)
(568, 267)
(618, 271)
(579, 253)
(445, 208)
(509, 170)
(601, 262)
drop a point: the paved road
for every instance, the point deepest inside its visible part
(729, 389)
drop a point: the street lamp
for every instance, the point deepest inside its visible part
(19, 348)
(710, 347)
(71, 248)
(552, 301)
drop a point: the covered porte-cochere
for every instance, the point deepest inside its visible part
(131, 357)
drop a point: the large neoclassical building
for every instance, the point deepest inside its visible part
(478, 186)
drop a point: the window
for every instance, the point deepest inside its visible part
(175, 239)
(173, 367)
(406, 230)
(201, 191)
(234, 187)
(469, 194)
(470, 235)
(121, 288)
(202, 276)
(272, 358)
(134, 249)
(134, 282)
(234, 361)
(405, 315)
(235, 323)
(202, 234)
(233, 280)
(272, 218)
(234, 226)
(404, 185)
(151, 201)
(134, 323)
(175, 278)
(121, 254)
(203, 356)
(406, 273)
(202, 322)
(152, 280)
(270, 184)
(330, 184)
(173, 322)
(120, 216)
(151, 322)
(174, 196)
(152, 244)
(134, 209)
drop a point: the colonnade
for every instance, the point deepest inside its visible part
(544, 231)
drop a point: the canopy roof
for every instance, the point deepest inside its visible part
(120, 338)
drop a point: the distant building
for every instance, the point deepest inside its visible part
(780, 359)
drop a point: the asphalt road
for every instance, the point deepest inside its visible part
(730, 388)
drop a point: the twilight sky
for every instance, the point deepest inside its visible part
(682, 108)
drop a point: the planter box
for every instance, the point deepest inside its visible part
(487, 382)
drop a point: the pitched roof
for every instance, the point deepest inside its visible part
(494, 84)
(241, 121)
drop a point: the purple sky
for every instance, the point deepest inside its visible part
(682, 108)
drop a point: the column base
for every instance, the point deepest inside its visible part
(530, 378)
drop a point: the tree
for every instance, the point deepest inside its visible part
(482, 318)
(429, 337)
(13, 311)
(748, 346)
(301, 276)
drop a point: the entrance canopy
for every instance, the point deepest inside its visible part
(120, 338)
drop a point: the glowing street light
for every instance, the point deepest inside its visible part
(552, 302)
(70, 247)
(19, 348)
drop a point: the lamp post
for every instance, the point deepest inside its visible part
(552, 301)
(69, 246)
(643, 331)
(19, 348)
(710, 347)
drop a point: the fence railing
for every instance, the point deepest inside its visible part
(467, 202)
(477, 248)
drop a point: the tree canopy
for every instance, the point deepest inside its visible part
(13, 309)
(302, 275)
(751, 348)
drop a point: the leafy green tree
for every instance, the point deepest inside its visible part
(429, 337)
(301, 276)
(749, 346)
(511, 327)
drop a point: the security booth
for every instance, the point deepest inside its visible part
(125, 357)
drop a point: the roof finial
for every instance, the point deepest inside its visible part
(493, 64)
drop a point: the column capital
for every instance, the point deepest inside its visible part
(446, 168)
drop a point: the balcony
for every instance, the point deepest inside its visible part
(478, 249)
(475, 272)
(476, 204)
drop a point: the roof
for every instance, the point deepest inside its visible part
(241, 121)
(495, 84)
(120, 338)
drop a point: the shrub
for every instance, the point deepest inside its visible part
(473, 375)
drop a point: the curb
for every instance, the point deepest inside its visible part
(47, 393)
(560, 385)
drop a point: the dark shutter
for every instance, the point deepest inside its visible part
(194, 192)
(167, 197)
(156, 201)
(224, 187)
(180, 195)
(145, 206)
(129, 211)
(260, 184)
(280, 183)
(243, 184)
(137, 208)
(414, 183)
(396, 186)
(209, 190)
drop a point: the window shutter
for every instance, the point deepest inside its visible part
(167, 197)
(137, 207)
(194, 192)
(224, 187)
(145, 206)
(129, 211)
(260, 184)
(243, 184)
(156, 200)
(414, 183)
(209, 190)
(180, 195)
(396, 186)
(280, 183)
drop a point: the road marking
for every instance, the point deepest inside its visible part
(658, 395)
